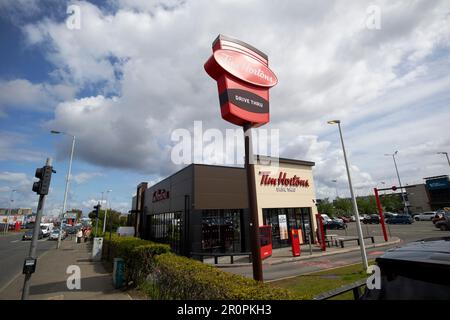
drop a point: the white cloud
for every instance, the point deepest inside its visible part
(13, 148)
(22, 94)
(16, 178)
(85, 176)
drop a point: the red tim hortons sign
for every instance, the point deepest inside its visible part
(160, 194)
(243, 79)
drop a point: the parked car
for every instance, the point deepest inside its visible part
(54, 235)
(425, 216)
(345, 219)
(400, 219)
(444, 224)
(373, 218)
(415, 271)
(438, 216)
(325, 218)
(28, 235)
(388, 215)
(335, 224)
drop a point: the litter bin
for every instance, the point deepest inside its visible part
(118, 273)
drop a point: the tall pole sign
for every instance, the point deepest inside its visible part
(243, 80)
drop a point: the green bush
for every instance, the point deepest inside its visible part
(176, 277)
(137, 255)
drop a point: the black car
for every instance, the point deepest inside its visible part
(444, 224)
(400, 219)
(28, 235)
(373, 218)
(335, 224)
(415, 271)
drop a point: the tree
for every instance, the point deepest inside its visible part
(326, 207)
(391, 203)
(367, 205)
(112, 214)
(343, 206)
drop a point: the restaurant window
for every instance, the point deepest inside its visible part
(283, 220)
(166, 228)
(221, 230)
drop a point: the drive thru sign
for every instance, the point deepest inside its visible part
(243, 79)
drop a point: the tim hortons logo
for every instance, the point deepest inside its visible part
(245, 68)
(282, 180)
(160, 194)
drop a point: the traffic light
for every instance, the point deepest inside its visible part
(44, 175)
(97, 210)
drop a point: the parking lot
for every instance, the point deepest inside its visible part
(406, 232)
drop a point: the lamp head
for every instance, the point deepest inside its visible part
(55, 132)
(334, 121)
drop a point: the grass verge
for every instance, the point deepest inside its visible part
(313, 284)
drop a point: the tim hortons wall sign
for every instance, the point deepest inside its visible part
(283, 180)
(160, 194)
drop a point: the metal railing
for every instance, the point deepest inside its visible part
(354, 287)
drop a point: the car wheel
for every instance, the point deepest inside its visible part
(417, 219)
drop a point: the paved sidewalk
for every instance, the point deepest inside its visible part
(49, 282)
(284, 255)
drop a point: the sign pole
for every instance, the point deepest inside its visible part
(380, 210)
(253, 208)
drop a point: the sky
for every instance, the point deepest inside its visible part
(131, 73)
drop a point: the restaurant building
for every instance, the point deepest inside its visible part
(204, 208)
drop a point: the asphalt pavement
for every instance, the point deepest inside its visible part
(13, 252)
(407, 233)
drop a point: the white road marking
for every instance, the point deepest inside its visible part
(15, 241)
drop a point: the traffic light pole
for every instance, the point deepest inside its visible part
(34, 239)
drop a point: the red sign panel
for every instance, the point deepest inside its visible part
(243, 79)
(160, 194)
(283, 180)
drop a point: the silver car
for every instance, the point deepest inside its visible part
(425, 216)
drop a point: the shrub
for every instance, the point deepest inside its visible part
(137, 255)
(176, 277)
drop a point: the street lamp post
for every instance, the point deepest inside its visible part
(337, 195)
(67, 184)
(399, 181)
(355, 206)
(106, 211)
(446, 154)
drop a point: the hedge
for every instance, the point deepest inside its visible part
(137, 255)
(177, 277)
(161, 274)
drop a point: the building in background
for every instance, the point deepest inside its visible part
(418, 198)
(438, 191)
(16, 211)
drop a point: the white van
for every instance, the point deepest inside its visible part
(47, 228)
